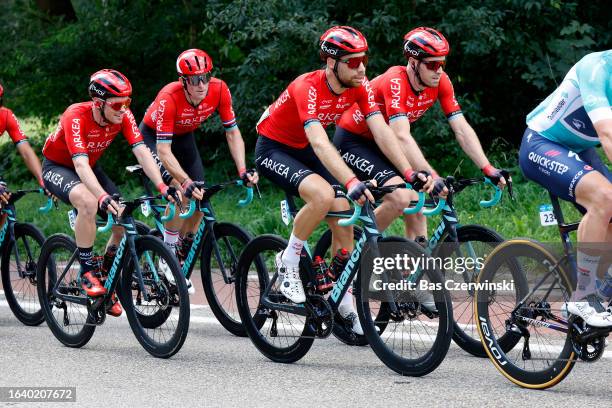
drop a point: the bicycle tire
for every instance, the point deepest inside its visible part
(216, 290)
(47, 267)
(15, 286)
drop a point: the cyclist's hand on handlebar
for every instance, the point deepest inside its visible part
(193, 189)
(107, 203)
(4, 193)
(439, 186)
(497, 176)
(358, 191)
(420, 180)
(249, 177)
(169, 193)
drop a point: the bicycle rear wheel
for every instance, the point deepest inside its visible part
(172, 300)
(68, 321)
(475, 242)
(409, 330)
(281, 336)
(230, 240)
(19, 274)
(542, 289)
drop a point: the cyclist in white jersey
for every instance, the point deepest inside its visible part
(558, 152)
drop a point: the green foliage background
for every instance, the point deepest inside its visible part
(506, 56)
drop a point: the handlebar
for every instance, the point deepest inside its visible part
(496, 197)
(109, 223)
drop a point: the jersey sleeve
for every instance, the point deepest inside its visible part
(226, 111)
(74, 132)
(446, 96)
(306, 96)
(394, 94)
(366, 100)
(130, 130)
(164, 121)
(13, 128)
(594, 82)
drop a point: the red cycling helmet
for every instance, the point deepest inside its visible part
(108, 83)
(339, 41)
(423, 42)
(193, 62)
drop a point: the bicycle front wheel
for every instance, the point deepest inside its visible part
(223, 252)
(279, 335)
(65, 310)
(19, 281)
(408, 327)
(160, 298)
(543, 354)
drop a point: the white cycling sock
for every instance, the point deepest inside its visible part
(587, 276)
(346, 303)
(171, 237)
(291, 255)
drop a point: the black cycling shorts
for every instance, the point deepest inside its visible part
(60, 180)
(286, 166)
(364, 157)
(557, 168)
(185, 150)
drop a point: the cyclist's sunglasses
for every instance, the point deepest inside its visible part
(434, 65)
(117, 106)
(353, 63)
(194, 80)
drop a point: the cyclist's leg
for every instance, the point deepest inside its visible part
(172, 227)
(571, 178)
(186, 152)
(65, 184)
(110, 187)
(369, 163)
(594, 194)
(285, 167)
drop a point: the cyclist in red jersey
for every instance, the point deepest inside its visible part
(168, 126)
(71, 171)
(294, 151)
(9, 124)
(404, 94)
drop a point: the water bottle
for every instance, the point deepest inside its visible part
(324, 284)
(338, 264)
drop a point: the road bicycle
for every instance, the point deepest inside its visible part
(524, 287)
(284, 331)
(450, 239)
(216, 244)
(143, 291)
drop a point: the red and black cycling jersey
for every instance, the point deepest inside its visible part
(396, 98)
(172, 115)
(309, 99)
(9, 123)
(77, 134)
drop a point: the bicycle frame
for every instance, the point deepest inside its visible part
(561, 325)
(128, 241)
(206, 229)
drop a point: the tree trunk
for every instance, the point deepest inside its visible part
(57, 8)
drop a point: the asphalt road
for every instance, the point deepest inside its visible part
(215, 368)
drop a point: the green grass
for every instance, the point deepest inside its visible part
(518, 218)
